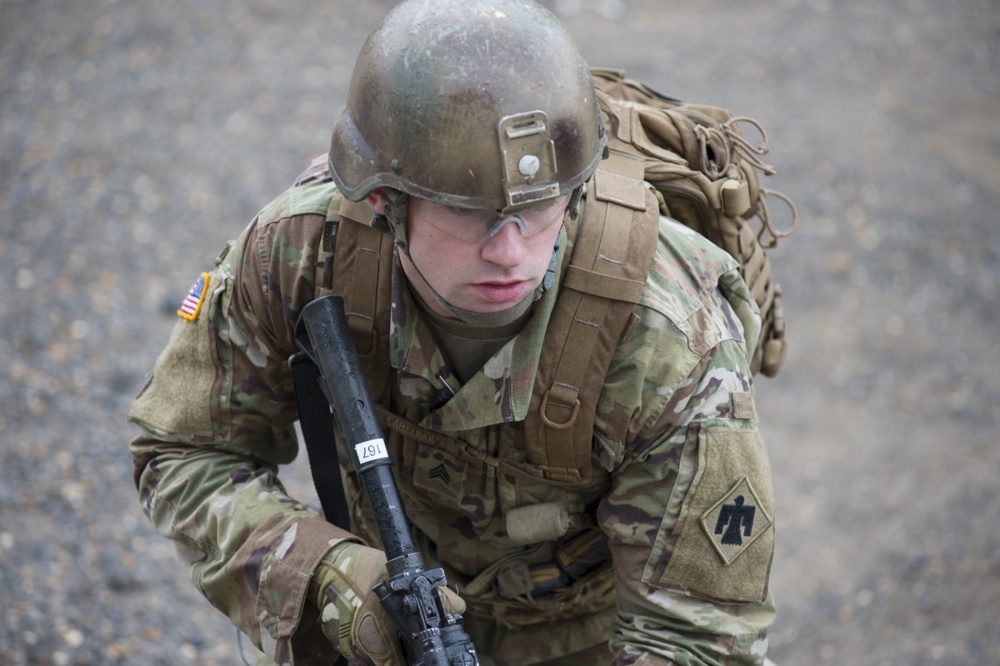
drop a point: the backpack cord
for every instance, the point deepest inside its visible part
(239, 644)
(767, 227)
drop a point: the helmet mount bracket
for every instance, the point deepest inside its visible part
(529, 159)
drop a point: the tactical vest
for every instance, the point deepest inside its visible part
(609, 255)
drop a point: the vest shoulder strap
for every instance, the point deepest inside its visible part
(356, 262)
(610, 261)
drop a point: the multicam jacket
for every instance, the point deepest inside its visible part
(667, 554)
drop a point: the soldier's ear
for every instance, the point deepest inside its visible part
(378, 201)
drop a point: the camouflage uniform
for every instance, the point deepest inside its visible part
(684, 501)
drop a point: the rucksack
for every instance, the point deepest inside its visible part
(705, 174)
(709, 175)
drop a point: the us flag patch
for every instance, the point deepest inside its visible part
(192, 304)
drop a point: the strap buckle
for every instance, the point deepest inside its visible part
(552, 424)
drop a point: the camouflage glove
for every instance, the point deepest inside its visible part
(352, 616)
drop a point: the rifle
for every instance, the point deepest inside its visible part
(427, 633)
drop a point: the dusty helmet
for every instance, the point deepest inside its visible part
(482, 104)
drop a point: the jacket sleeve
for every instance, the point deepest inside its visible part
(690, 515)
(217, 418)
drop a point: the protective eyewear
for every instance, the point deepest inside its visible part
(475, 226)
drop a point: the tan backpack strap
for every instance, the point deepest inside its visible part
(362, 274)
(612, 254)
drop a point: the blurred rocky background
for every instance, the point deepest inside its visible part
(137, 137)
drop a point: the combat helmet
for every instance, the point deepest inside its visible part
(474, 104)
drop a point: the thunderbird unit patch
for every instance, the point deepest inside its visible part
(192, 304)
(735, 521)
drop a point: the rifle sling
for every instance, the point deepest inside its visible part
(317, 431)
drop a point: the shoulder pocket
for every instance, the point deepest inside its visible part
(722, 544)
(178, 397)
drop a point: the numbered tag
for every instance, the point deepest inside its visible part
(370, 451)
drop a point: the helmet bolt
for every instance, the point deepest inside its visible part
(396, 167)
(528, 166)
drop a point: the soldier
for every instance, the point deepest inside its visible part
(468, 149)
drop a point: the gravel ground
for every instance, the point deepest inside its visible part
(137, 137)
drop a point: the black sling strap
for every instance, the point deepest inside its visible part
(316, 422)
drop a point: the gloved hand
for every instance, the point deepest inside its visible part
(352, 616)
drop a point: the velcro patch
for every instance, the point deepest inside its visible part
(735, 521)
(743, 407)
(725, 533)
(194, 299)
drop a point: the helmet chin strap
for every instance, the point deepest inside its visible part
(395, 219)
(490, 319)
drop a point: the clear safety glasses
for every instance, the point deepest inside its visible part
(475, 226)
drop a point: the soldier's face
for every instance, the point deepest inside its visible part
(490, 275)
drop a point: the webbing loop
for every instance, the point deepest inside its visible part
(552, 424)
